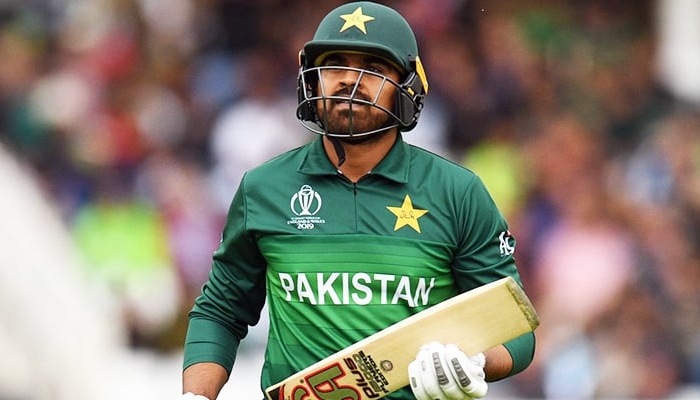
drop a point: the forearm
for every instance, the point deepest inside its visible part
(210, 351)
(510, 358)
(499, 363)
(205, 379)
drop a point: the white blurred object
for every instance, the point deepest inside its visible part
(679, 46)
(56, 332)
(431, 131)
(63, 98)
(61, 339)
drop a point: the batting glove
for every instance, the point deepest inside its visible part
(446, 373)
(192, 396)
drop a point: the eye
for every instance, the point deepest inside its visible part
(377, 69)
(333, 61)
(377, 66)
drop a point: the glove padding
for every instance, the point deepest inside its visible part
(446, 373)
(192, 396)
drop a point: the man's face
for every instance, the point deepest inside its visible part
(342, 117)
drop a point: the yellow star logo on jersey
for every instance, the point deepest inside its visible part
(356, 19)
(407, 215)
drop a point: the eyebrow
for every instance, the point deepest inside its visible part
(365, 58)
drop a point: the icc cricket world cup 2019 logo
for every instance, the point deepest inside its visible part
(305, 202)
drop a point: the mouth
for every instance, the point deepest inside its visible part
(346, 102)
(341, 98)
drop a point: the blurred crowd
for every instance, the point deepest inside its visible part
(138, 118)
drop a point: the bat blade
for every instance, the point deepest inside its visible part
(377, 365)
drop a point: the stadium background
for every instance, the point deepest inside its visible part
(125, 126)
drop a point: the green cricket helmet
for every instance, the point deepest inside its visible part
(368, 28)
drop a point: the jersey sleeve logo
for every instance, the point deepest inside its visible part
(505, 239)
(407, 215)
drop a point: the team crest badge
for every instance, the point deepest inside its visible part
(407, 215)
(357, 19)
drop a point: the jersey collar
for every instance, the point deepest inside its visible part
(394, 166)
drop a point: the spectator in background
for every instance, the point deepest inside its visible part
(247, 132)
(177, 186)
(499, 160)
(660, 181)
(124, 246)
(582, 258)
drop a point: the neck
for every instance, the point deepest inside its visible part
(361, 157)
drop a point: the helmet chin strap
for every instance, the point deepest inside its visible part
(336, 142)
(339, 150)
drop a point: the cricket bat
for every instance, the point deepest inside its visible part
(377, 365)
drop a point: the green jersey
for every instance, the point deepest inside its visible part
(338, 261)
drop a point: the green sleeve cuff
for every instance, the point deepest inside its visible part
(522, 350)
(208, 341)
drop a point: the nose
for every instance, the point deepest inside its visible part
(350, 77)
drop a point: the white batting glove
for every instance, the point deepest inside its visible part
(192, 396)
(446, 373)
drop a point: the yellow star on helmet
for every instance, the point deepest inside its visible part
(407, 215)
(356, 19)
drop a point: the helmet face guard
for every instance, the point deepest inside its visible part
(369, 28)
(312, 109)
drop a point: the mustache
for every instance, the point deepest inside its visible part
(348, 93)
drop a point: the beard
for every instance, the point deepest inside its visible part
(353, 124)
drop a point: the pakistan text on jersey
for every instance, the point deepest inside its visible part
(356, 288)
